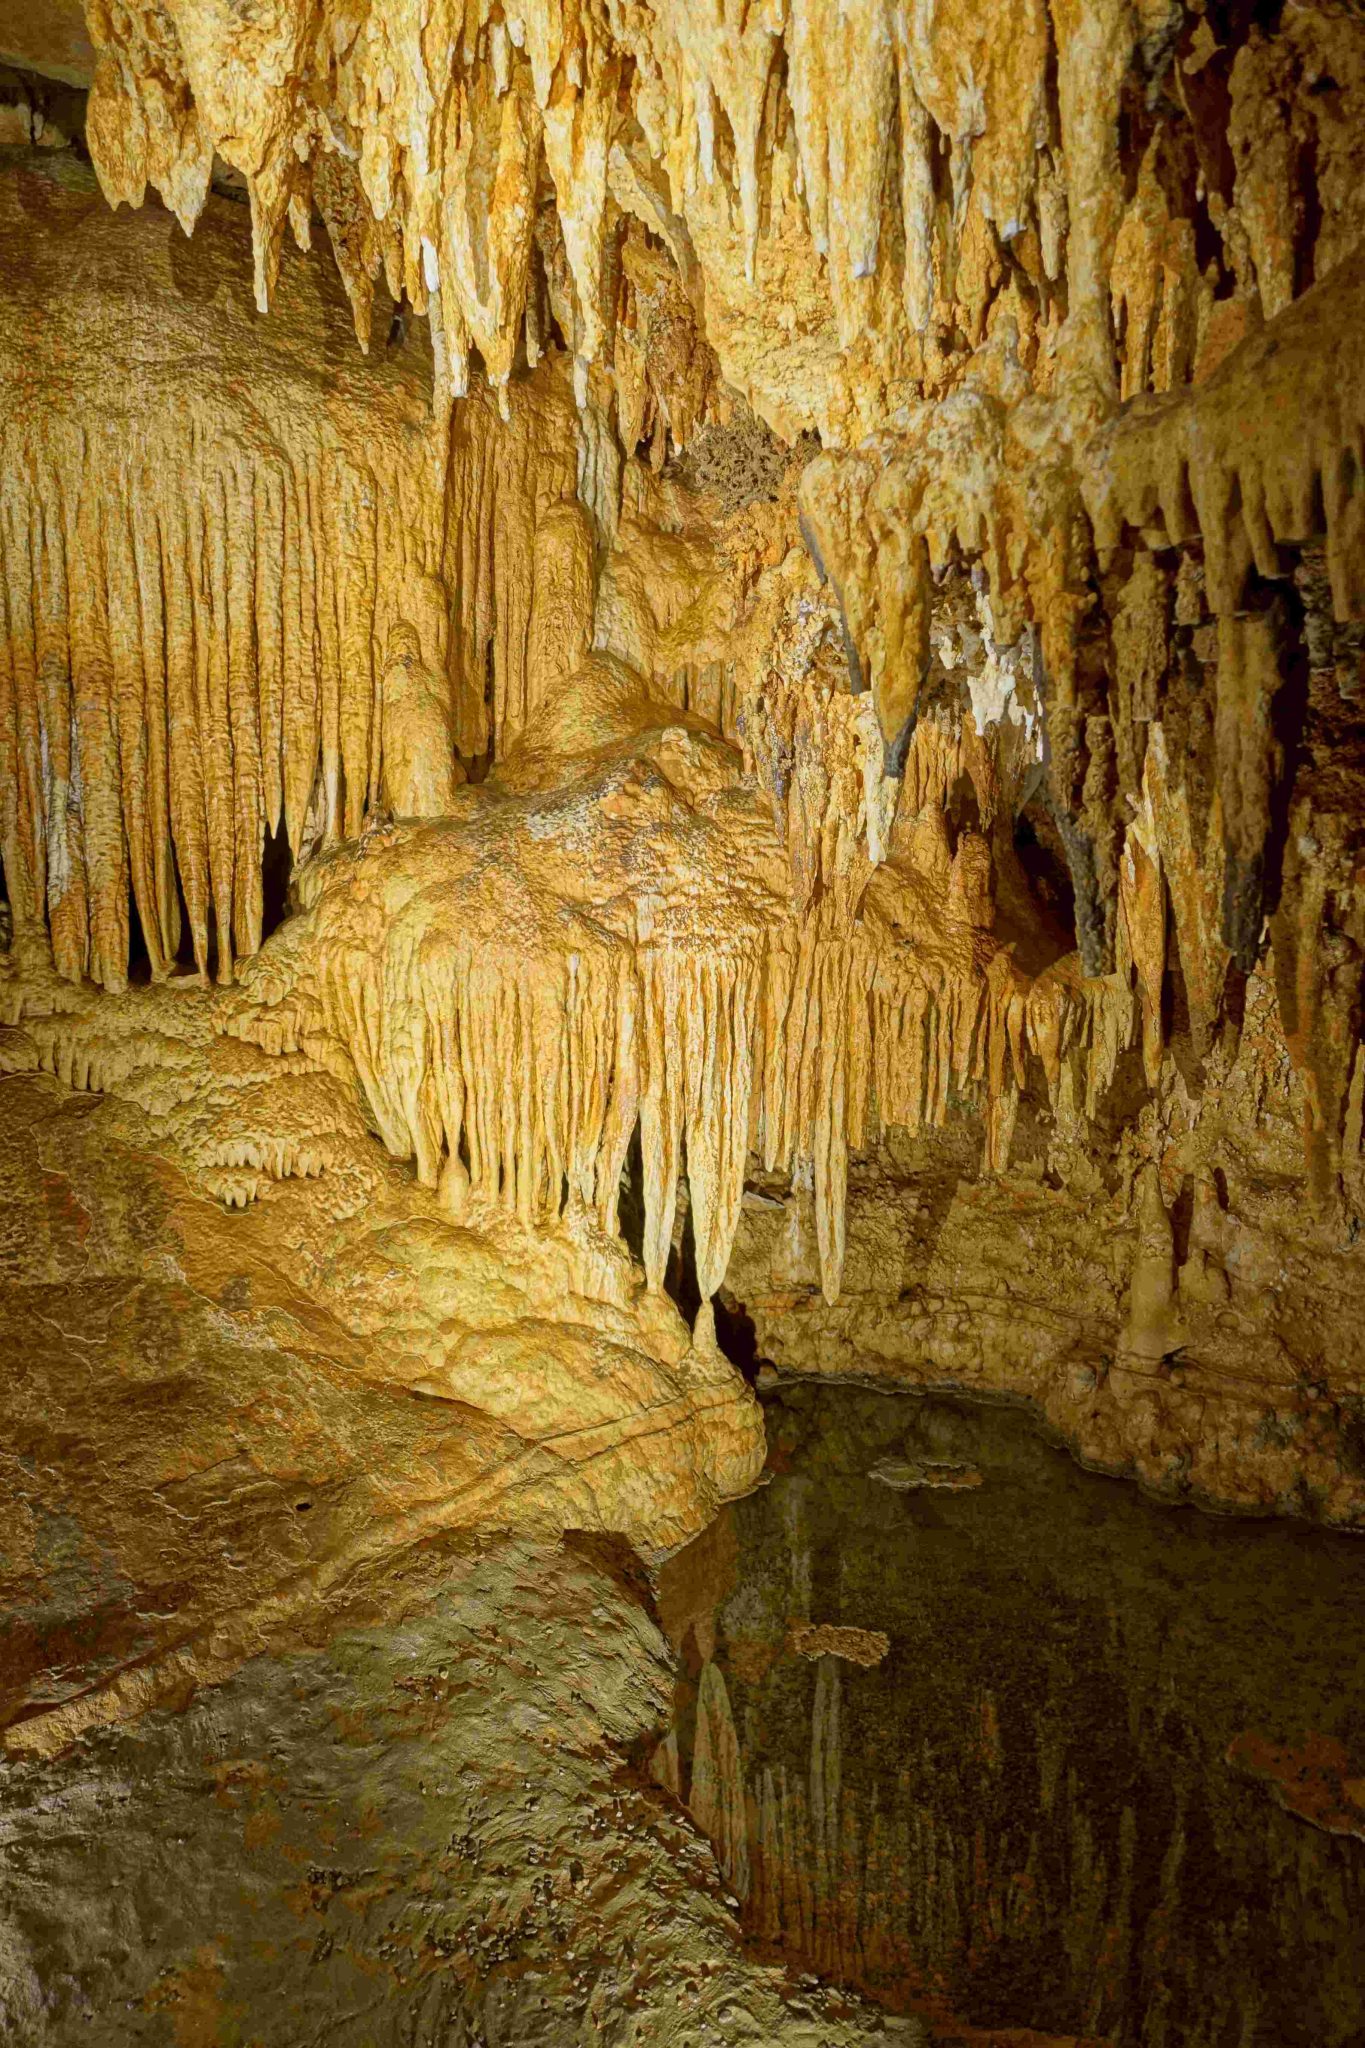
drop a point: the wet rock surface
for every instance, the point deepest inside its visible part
(430, 1827)
(215, 1422)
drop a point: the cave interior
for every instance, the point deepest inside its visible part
(682, 980)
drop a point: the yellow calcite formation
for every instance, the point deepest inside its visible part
(1257, 457)
(229, 603)
(854, 182)
(832, 600)
(298, 1395)
(1258, 461)
(680, 681)
(511, 1022)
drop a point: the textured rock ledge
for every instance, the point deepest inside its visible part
(426, 1826)
(215, 1422)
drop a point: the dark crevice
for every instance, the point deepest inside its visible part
(736, 1335)
(1310, 221)
(277, 864)
(476, 766)
(631, 1200)
(139, 959)
(964, 810)
(1043, 859)
(680, 1274)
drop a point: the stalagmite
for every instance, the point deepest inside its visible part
(560, 624)
(1143, 901)
(420, 772)
(1153, 1328)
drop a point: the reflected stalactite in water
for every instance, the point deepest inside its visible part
(717, 1785)
(1037, 1809)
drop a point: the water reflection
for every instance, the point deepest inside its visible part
(995, 1738)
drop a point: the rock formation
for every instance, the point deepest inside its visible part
(679, 686)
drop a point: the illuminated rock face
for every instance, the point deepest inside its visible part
(734, 729)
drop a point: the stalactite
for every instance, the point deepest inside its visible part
(1155, 288)
(500, 480)
(820, 119)
(1262, 454)
(198, 625)
(190, 639)
(103, 842)
(1094, 42)
(514, 1072)
(67, 908)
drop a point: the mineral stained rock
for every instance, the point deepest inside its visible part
(680, 687)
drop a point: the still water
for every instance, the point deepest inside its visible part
(1006, 1743)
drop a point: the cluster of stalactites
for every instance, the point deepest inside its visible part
(198, 643)
(1265, 455)
(420, 138)
(516, 1079)
(1258, 464)
(188, 643)
(920, 155)
(1223, 487)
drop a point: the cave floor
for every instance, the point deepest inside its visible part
(433, 1827)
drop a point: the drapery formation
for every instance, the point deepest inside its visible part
(192, 657)
(200, 581)
(512, 1019)
(517, 1082)
(190, 645)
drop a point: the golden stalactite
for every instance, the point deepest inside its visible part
(1258, 456)
(199, 604)
(790, 150)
